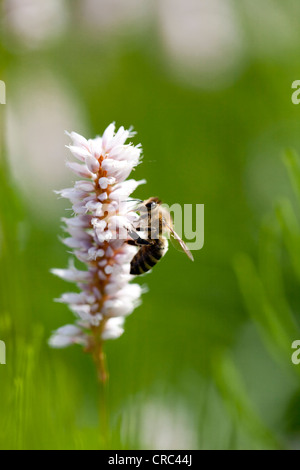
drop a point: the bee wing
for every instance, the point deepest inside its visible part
(181, 242)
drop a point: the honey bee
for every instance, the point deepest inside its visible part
(154, 221)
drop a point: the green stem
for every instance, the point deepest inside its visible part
(103, 395)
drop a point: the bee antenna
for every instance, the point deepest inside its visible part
(129, 200)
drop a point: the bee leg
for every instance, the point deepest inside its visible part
(136, 239)
(132, 242)
(138, 229)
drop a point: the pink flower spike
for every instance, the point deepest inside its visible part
(102, 210)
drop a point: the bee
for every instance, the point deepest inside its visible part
(154, 221)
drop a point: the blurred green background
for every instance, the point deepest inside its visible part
(205, 361)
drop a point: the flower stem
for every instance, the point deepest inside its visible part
(103, 377)
(101, 365)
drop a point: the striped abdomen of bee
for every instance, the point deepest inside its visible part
(148, 255)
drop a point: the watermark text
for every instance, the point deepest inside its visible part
(2, 92)
(2, 353)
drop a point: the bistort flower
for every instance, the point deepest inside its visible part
(97, 234)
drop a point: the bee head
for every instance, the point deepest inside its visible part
(152, 203)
